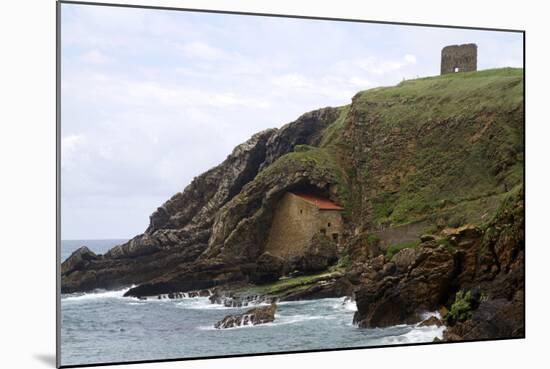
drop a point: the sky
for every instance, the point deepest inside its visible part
(152, 98)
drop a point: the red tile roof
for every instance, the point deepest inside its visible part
(321, 202)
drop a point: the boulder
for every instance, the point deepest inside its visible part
(269, 268)
(258, 315)
(319, 254)
(405, 258)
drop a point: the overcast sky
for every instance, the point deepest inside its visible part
(151, 98)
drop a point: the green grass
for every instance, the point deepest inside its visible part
(442, 140)
(332, 135)
(285, 285)
(444, 149)
(320, 163)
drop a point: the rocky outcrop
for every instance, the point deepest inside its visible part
(499, 274)
(220, 217)
(306, 130)
(495, 318)
(396, 159)
(487, 262)
(433, 320)
(258, 315)
(269, 268)
(186, 218)
(318, 255)
(333, 284)
(78, 260)
(400, 293)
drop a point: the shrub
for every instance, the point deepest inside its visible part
(461, 309)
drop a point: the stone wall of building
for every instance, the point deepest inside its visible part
(295, 222)
(459, 58)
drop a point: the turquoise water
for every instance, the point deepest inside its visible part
(106, 327)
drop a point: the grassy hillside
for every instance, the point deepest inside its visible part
(441, 150)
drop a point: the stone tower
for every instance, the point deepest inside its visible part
(459, 58)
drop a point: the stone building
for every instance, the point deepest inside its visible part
(298, 217)
(459, 58)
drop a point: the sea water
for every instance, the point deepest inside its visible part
(104, 326)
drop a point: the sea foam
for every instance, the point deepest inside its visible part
(96, 295)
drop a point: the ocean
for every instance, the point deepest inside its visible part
(103, 327)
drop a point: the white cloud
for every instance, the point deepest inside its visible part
(70, 145)
(360, 82)
(152, 99)
(291, 80)
(202, 50)
(95, 57)
(410, 59)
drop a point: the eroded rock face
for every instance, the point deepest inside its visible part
(488, 262)
(258, 315)
(208, 220)
(269, 268)
(397, 296)
(496, 318)
(78, 260)
(318, 255)
(306, 130)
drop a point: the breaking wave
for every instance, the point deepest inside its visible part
(96, 295)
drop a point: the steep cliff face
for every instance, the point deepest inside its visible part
(185, 225)
(487, 259)
(435, 150)
(416, 158)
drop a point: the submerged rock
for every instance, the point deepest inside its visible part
(433, 320)
(258, 315)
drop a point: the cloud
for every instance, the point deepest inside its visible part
(95, 57)
(377, 65)
(360, 82)
(291, 80)
(201, 50)
(69, 147)
(410, 59)
(153, 98)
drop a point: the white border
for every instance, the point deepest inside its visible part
(28, 182)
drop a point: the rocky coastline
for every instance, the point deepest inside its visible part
(434, 215)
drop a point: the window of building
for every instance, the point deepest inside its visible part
(335, 237)
(301, 211)
(328, 224)
(323, 231)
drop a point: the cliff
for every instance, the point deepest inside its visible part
(418, 159)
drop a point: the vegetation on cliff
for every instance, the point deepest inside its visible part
(428, 156)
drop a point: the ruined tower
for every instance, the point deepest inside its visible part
(459, 58)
